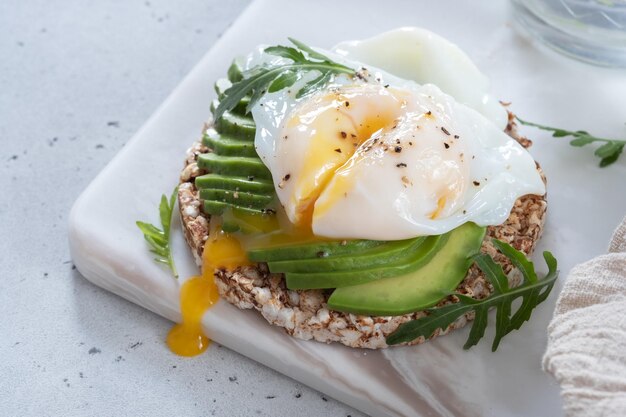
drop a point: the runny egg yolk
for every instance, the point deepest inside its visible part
(224, 251)
(200, 293)
(334, 125)
(419, 166)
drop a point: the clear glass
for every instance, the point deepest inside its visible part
(590, 30)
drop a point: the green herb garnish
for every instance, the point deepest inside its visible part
(271, 78)
(608, 152)
(159, 240)
(532, 291)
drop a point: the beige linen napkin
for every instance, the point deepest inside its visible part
(587, 336)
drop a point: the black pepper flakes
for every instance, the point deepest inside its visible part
(429, 113)
(338, 150)
(386, 86)
(446, 145)
(343, 135)
(359, 74)
(456, 136)
(286, 177)
(401, 165)
(398, 149)
(347, 104)
(250, 178)
(444, 130)
(476, 183)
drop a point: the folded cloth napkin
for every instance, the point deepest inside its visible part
(587, 336)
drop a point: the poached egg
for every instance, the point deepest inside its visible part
(413, 145)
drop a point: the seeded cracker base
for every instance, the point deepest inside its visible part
(304, 313)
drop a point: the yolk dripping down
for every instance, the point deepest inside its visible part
(335, 125)
(227, 251)
(199, 293)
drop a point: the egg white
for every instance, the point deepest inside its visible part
(422, 56)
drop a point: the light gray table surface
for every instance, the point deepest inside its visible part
(77, 79)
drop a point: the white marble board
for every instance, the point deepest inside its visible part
(437, 378)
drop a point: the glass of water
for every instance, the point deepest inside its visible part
(590, 30)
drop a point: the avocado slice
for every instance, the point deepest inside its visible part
(257, 223)
(419, 289)
(416, 259)
(235, 71)
(238, 184)
(225, 145)
(236, 125)
(225, 182)
(381, 255)
(234, 220)
(240, 198)
(234, 165)
(221, 86)
(312, 250)
(217, 208)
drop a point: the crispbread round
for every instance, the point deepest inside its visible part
(304, 314)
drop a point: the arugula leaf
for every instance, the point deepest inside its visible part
(286, 52)
(310, 51)
(314, 85)
(608, 153)
(532, 290)
(159, 239)
(271, 78)
(284, 80)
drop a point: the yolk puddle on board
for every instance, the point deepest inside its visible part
(199, 293)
